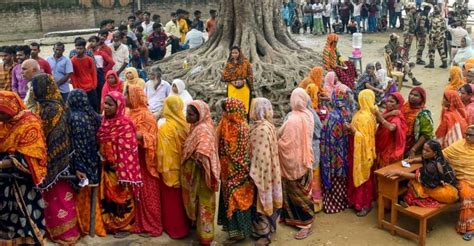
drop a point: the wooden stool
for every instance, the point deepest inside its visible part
(356, 60)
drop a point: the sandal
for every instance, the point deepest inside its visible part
(122, 234)
(467, 236)
(263, 241)
(303, 233)
(362, 213)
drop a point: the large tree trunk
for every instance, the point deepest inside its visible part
(279, 62)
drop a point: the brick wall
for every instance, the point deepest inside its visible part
(31, 18)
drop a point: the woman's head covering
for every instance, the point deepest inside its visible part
(315, 76)
(422, 94)
(261, 109)
(399, 98)
(109, 87)
(137, 98)
(299, 100)
(330, 82)
(330, 51)
(202, 143)
(55, 127)
(118, 135)
(313, 92)
(463, 54)
(84, 123)
(366, 100)
(136, 80)
(23, 134)
(182, 92)
(173, 109)
(455, 78)
(455, 103)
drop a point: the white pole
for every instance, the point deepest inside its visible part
(139, 4)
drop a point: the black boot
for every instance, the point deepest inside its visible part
(444, 65)
(420, 62)
(415, 82)
(431, 65)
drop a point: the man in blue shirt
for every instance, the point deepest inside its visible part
(62, 69)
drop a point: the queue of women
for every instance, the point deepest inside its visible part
(178, 174)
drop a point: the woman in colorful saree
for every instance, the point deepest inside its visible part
(85, 162)
(237, 188)
(120, 177)
(453, 120)
(200, 171)
(332, 60)
(148, 216)
(460, 156)
(419, 122)
(22, 155)
(238, 75)
(132, 78)
(265, 170)
(467, 97)
(296, 161)
(362, 154)
(112, 83)
(171, 136)
(313, 84)
(431, 184)
(60, 210)
(456, 79)
(390, 137)
(334, 153)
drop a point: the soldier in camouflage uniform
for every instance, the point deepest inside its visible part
(394, 49)
(461, 12)
(422, 28)
(437, 38)
(410, 29)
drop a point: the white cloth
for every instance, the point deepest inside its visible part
(383, 78)
(120, 55)
(148, 28)
(327, 10)
(357, 9)
(457, 34)
(317, 7)
(194, 38)
(157, 97)
(182, 92)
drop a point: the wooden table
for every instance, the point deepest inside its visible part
(389, 189)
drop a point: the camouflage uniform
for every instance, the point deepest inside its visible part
(422, 23)
(409, 34)
(392, 49)
(437, 32)
(461, 12)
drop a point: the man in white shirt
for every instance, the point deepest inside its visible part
(194, 38)
(172, 30)
(147, 24)
(457, 34)
(120, 53)
(327, 16)
(156, 90)
(318, 17)
(357, 5)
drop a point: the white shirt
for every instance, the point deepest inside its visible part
(156, 98)
(172, 28)
(120, 56)
(398, 6)
(317, 6)
(327, 10)
(357, 8)
(194, 38)
(457, 34)
(148, 28)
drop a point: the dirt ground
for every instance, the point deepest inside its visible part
(344, 228)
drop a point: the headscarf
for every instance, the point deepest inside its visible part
(171, 137)
(330, 82)
(367, 78)
(460, 155)
(117, 135)
(84, 123)
(242, 69)
(463, 54)
(55, 127)
(390, 145)
(145, 124)
(315, 76)
(455, 79)
(23, 134)
(364, 124)
(201, 145)
(182, 92)
(330, 52)
(470, 107)
(234, 146)
(294, 143)
(410, 112)
(451, 116)
(467, 67)
(136, 80)
(334, 141)
(264, 162)
(108, 87)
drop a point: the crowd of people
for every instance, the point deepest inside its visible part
(95, 121)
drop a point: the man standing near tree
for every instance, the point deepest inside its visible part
(211, 23)
(62, 69)
(172, 30)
